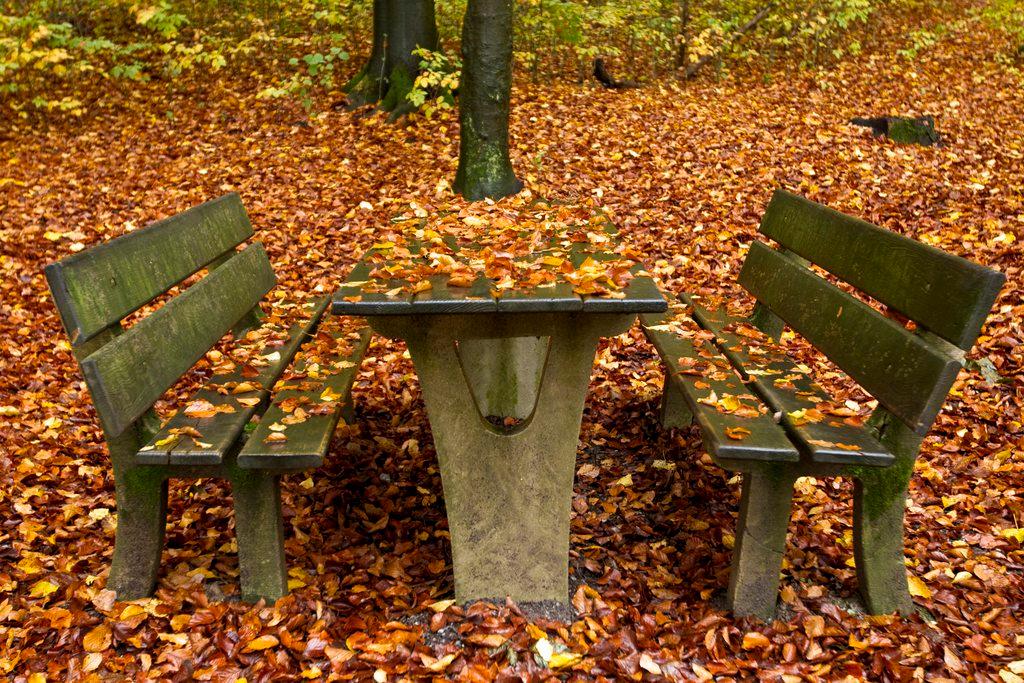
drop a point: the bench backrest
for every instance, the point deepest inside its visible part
(909, 373)
(127, 371)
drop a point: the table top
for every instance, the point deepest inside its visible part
(472, 266)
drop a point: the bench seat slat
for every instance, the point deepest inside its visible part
(129, 374)
(307, 441)
(908, 374)
(220, 432)
(947, 294)
(96, 288)
(764, 364)
(756, 438)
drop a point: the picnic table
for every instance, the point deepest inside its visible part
(502, 324)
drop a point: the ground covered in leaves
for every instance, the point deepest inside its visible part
(685, 173)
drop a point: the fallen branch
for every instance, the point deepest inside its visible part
(742, 31)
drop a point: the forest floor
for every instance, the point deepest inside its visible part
(685, 171)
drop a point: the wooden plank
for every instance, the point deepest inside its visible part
(321, 398)
(642, 296)
(811, 417)
(947, 294)
(368, 303)
(96, 288)
(219, 433)
(908, 374)
(558, 297)
(130, 373)
(441, 298)
(734, 423)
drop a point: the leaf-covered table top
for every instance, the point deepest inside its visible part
(547, 263)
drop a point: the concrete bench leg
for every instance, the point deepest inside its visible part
(259, 530)
(675, 411)
(878, 505)
(141, 519)
(765, 508)
(508, 493)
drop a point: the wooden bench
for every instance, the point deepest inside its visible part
(128, 369)
(761, 414)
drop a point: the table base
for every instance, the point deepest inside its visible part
(507, 491)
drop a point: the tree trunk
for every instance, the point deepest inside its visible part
(683, 51)
(399, 27)
(485, 169)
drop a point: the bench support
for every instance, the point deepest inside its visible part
(879, 502)
(765, 506)
(141, 494)
(675, 412)
(259, 530)
(507, 492)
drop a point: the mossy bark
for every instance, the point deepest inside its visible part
(399, 28)
(485, 169)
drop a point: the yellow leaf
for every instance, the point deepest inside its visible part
(754, 640)
(98, 639)
(626, 480)
(439, 665)
(1017, 534)
(261, 643)
(441, 605)
(92, 662)
(561, 660)
(180, 621)
(145, 14)
(535, 632)
(30, 565)
(42, 588)
(312, 672)
(131, 611)
(917, 587)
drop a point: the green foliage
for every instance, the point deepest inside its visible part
(313, 73)
(49, 46)
(437, 82)
(922, 39)
(1007, 16)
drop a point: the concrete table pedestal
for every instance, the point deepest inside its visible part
(507, 490)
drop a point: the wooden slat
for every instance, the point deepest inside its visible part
(697, 368)
(307, 441)
(790, 391)
(96, 288)
(906, 373)
(642, 296)
(441, 298)
(127, 375)
(558, 297)
(220, 433)
(946, 294)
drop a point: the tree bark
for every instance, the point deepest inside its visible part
(683, 51)
(399, 27)
(485, 169)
